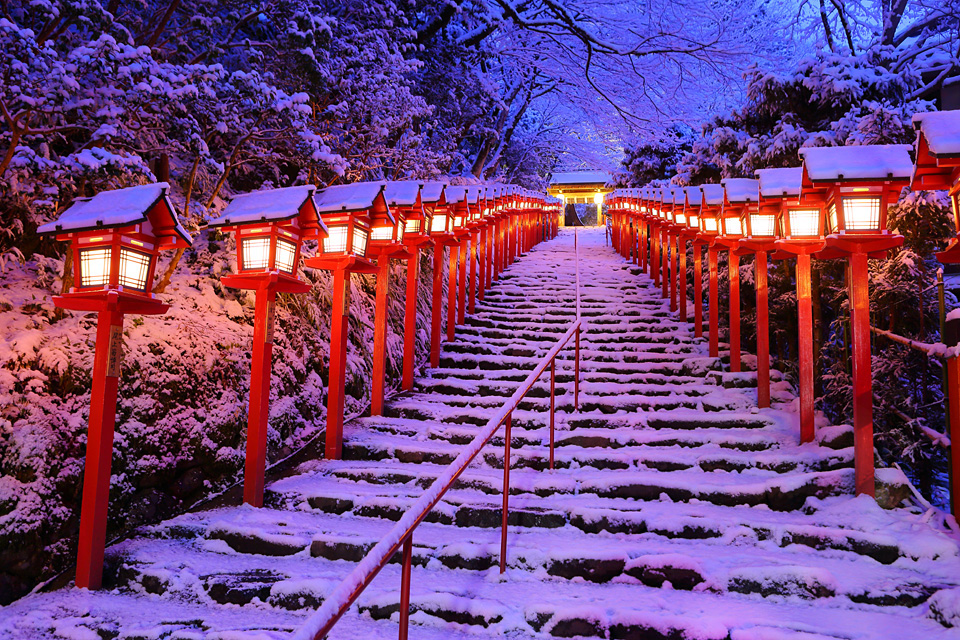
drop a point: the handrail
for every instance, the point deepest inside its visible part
(401, 534)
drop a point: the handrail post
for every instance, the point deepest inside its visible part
(553, 383)
(576, 376)
(405, 586)
(506, 492)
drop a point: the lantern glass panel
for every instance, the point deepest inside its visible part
(255, 253)
(336, 242)
(762, 225)
(732, 227)
(399, 231)
(286, 254)
(382, 233)
(439, 223)
(134, 268)
(832, 218)
(457, 222)
(95, 267)
(693, 222)
(360, 237)
(710, 225)
(681, 219)
(861, 214)
(804, 223)
(413, 226)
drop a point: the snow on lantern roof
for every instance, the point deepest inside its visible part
(580, 177)
(694, 195)
(741, 189)
(677, 193)
(712, 194)
(117, 208)
(432, 192)
(865, 162)
(359, 196)
(779, 183)
(402, 193)
(456, 194)
(941, 129)
(266, 206)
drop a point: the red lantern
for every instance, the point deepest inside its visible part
(856, 185)
(433, 196)
(938, 167)
(114, 238)
(269, 228)
(711, 206)
(693, 198)
(405, 200)
(348, 212)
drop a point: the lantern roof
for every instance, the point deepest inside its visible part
(359, 196)
(941, 129)
(402, 193)
(712, 194)
(693, 195)
(865, 162)
(456, 194)
(741, 190)
(780, 183)
(271, 205)
(432, 192)
(122, 208)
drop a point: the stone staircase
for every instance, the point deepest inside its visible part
(677, 510)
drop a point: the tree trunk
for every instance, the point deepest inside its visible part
(161, 286)
(8, 156)
(162, 24)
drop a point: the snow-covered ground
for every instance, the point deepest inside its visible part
(677, 509)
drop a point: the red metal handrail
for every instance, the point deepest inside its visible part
(401, 534)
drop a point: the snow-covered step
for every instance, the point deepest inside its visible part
(676, 509)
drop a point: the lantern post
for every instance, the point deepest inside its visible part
(269, 228)
(711, 204)
(115, 238)
(347, 211)
(475, 223)
(406, 198)
(687, 215)
(638, 202)
(762, 230)
(653, 209)
(692, 199)
(740, 194)
(674, 223)
(801, 231)
(937, 166)
(459, 208)
(433, 196)
(857, 185)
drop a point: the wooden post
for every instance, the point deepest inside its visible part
(674, 244)
(474, 238)
(410, 320)
(763, 331)
(96, 470)
(436, 311)
(714, 301)
(697, 289)
(452, 293)
(259, 407)
(682, 276)
(862, 379)
(380, 336)
(733, 273)
(482, 262)
(462, 288)
(805, 329)
(338, 364)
